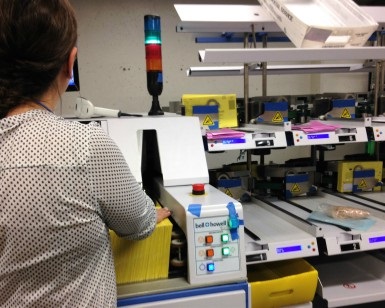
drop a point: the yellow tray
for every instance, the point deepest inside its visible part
(282, 283)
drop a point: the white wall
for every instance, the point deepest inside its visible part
(112, 55)
(113, 73)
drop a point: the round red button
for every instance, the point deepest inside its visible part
(198, 189)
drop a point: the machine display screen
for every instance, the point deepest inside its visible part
(233, 141)
(377, 239)
(318, 136)
(289, 249)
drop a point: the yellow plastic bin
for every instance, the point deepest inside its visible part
(282, 283)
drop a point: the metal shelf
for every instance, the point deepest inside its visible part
(210, 71)
(254, 55)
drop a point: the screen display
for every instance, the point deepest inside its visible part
(74, 84)
(318, 136)
(233, 141)
(289, 249)
(377, 239)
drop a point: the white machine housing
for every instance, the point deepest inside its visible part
(183, 163)
(349, 132)
(269, 238)
(208, 216)
(378, 126)
(337, 241)
(181, 151)
(258, 136)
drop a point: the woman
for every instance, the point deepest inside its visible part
(63, 184)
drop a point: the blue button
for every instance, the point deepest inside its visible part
(210, 267)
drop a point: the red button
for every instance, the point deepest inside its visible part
(198, 189)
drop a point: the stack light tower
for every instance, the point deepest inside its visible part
(153, 45)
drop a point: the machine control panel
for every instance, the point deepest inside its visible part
(213, 224)
(216, 245)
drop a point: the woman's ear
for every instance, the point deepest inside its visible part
(71, 61)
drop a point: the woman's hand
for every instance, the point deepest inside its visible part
(162, 213)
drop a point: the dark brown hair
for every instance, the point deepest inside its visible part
(36, 38)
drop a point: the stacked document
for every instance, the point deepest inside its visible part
(143, 260)
(315, 127)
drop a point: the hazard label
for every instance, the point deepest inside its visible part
(208, 121)
(228, 192)
(277, 117)
(295, 188)
(362, 184)
(346, 114)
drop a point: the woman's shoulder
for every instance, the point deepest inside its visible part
(89, 126)
(78, 131)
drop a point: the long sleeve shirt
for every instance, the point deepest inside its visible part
(63, 185)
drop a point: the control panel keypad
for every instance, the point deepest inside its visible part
(216, 251)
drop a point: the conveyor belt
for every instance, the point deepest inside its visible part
(268, 237)
(370, 201)
(332, 239)
(371, 197)
(376, 197)
(310, 211)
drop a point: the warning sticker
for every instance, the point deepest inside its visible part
(208, 121)
(362, 184)
(228, 192)
(295, 188)
(346, 114)
(277, 117)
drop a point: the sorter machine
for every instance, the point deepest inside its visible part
(166, 154)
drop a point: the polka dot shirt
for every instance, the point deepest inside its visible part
(62, 186)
